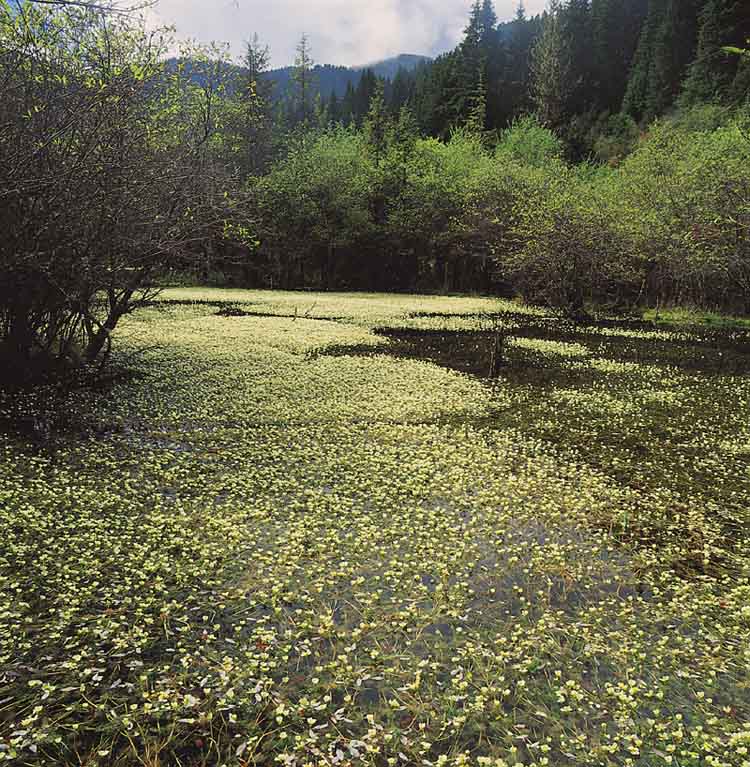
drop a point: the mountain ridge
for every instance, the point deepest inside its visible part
(333, 78)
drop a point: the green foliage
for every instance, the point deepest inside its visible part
(712, 73)
(687, 197)
(436, 182)
(661, 218)
(571, 251)
(377, 125)
(576, 64)
(701, 118)
(682, 317)
(315, 201)
(527, 141)
(372, 204)
(551, 68)
(615, 139)
(112, 166)
(303, 79)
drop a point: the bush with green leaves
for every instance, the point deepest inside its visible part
(615, 138)
(314, 203)
(438, 178)
(106, 176)
(686, 206)
(569, 248)
(527, 141)
(659, 218)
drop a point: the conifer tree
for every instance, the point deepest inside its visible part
(429, 94)
(551, 68)
(476, 121)
(406, 129)
(256, 93)
(712, 73)
(377, 124)
(675, 47)
(514, 85)
(636, 94)
(661, 74)
(487, 26)
(320, 110)
(256, 62)
(347, 105)
(334, 108)
(363, 94)
(400, 90)
(576, 30)
(470, 58)
(303, 79)
(666, 47)
(616, 25)
(470, 66)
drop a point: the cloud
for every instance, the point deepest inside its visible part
(347, 32)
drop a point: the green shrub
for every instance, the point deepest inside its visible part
(702, 117)
(686, 204)
(528, 141)
(616, 139)
(570, 250)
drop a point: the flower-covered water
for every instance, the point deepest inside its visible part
(312, 532)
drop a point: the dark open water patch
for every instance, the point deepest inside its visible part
(702, 351)
(236, 309)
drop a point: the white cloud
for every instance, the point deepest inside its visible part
(348, 32)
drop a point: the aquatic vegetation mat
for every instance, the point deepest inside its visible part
(326, 538)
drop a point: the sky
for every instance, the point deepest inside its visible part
(347, 32)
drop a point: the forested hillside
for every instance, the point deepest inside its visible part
(331, 79)
(591, 69)
(587, 67)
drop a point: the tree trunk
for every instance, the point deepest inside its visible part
(102, 335)
(329, 264)
(20, 333)
(208, 256)
(497, 355)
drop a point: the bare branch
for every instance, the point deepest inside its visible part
(112, 8)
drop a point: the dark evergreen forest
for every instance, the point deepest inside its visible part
(589, 67)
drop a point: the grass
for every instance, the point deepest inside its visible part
(681, 316)
(291, 540)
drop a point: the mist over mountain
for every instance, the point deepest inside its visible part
(388, 68)
(330, 79)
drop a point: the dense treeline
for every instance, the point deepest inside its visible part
(528, 161)
(591, 69)
(383, 208)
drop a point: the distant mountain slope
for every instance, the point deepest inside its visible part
(387, 68)
(330, 78)
(327, 78)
